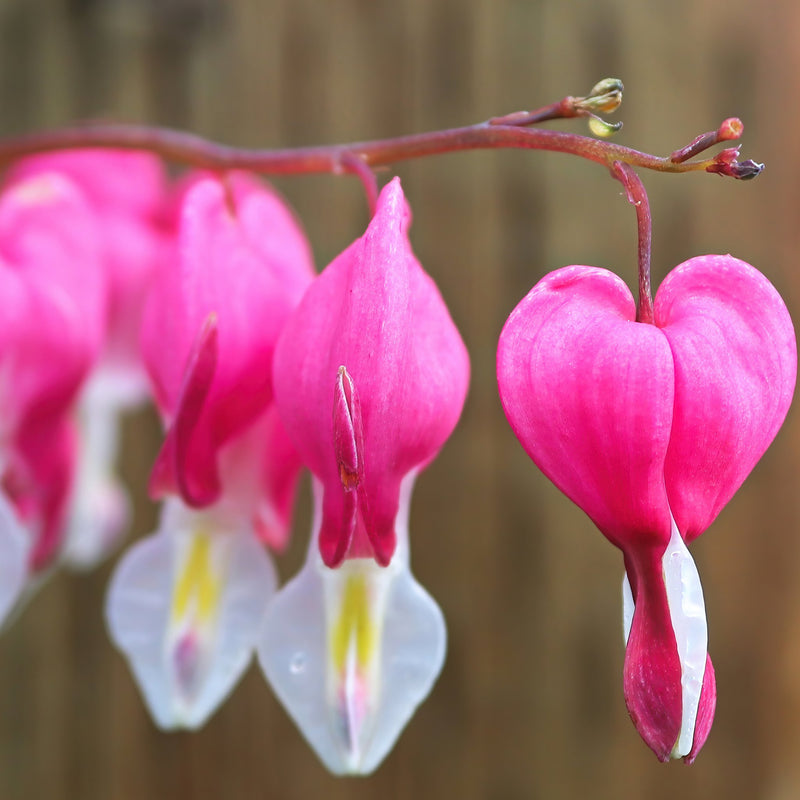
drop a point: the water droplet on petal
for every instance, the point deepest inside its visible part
(297, 665)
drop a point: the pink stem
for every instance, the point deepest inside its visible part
(192, 150)
(354, 165)
(637, 197)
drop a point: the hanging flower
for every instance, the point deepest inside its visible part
(127, 194)
(651, 429)
(370, 377)
(186, 604)
(54, 300)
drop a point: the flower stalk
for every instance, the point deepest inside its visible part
(637, 197)
(509, 131)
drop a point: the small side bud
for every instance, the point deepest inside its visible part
(726, 164)
(604, 98)
(747, 170)
(602, 129)
(730, 129)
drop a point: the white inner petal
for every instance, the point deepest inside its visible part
(185, 606)
(627, 607)
(15, 547)
(688, 613)
(352, 651)
(99, 508)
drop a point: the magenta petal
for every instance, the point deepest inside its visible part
(652, 671)
(38, 480)
(124, 180)
(735, 360)
(588, 392)
(274, 232)
(339, 521)
(53, 297)
(186, 463)
(126, 192)
(376, 313)
(280, 473)
(222, 270)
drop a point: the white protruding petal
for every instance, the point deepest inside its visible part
(185, 606)
(688, 615)
(352, 651)
(123, 386)
(627, 607)
(100, 509)
(15, 545)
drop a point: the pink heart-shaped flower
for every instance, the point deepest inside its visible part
(641, 424)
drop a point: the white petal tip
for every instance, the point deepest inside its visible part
(351, 653)
(185, 607)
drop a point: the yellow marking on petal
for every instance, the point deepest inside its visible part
(199, 584)
(354, 626)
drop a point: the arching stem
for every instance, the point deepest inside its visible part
(499, 132)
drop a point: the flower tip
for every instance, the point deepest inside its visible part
(660, 730)
(705, 712)
(392, 203)
(383, 547)
(332, 549)
(658, 737)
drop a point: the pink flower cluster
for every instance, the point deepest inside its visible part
(202, 295)
(120, 285)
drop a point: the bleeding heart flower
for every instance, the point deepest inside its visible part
(370, 377)
(54, 300)
(244, 262)
(186, 604)
(127, 193)
(651, 429)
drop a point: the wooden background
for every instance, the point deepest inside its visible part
(530, 701)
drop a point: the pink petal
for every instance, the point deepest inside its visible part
(222, 271)
(111, 179)
(735, 358)
(280, 473)
(127, 193)
(38, 481)
(652, 672)
(588, 392)
(54, 299)
(376, 313)
(53, 295)
(186, 463)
